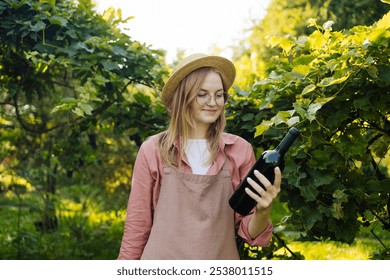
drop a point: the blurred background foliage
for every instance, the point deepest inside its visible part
(78, 96)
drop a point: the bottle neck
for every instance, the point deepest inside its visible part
(287, 141)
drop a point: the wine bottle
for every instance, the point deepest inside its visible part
(240, 201)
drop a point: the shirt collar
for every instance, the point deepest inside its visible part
(226, 139)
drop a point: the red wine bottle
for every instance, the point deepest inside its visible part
(240, 201)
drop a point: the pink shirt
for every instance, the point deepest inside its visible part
(146, 183)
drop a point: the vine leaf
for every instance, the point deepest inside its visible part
(337, 208)
(308, 89)
(332, 81)
(264, 126)
(58, 20)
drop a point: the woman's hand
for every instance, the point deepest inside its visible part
(264, 198)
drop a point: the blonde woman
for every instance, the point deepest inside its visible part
(183, 177)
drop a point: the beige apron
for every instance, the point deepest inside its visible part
(193, 219)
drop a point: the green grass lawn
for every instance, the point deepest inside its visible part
(361, 249)
(365, 246)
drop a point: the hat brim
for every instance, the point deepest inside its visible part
(223, 65)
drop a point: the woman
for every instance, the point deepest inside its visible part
(183, 177)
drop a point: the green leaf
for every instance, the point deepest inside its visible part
(282, 117)
(363, 102)
(320, 155)
(380, 37)
(293, 176)
(299, 109)
(292, 121)
(261, 128)
(310, 216)
(86, 108)
(119, 51)
(383, 23)
(78, 112)
(248, 117)
(337, 210)
(366, 44)
(332, 81)
(308, 89)
(312, 22)
(325, 179)
(308, 192)
(304, 59)
(372, 71)
(351, 148)
(300, 71)
(340, 196)
(317, 40)
(384, 73)
(380, 148)
(312, 110)
(328, 25)
(62, 107)
(273, 41)
(100, 80)
(109, 65)
(38, 26)
(69, 100)
(143, 98)
(314, 107)
(64, 104)
(58, 21)
(286, 44)
(82, 45)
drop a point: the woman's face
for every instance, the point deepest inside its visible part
(206, 113)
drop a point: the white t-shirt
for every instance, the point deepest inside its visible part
(198, 154)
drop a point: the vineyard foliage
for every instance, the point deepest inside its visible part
(75, 95)
(78, 96)
(335, 87)
(71, 85)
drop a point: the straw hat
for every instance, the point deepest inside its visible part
(196, 61)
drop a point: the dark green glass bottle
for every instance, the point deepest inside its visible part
(240, 201)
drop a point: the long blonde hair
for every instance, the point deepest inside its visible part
(182, 120)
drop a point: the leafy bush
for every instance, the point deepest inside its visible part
(334, 86)
(86, 229)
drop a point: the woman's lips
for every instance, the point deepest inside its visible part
(210, 112)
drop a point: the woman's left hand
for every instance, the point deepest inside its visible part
(264, 198)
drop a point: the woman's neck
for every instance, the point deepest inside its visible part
(199, 133)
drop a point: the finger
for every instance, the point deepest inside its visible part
(253, 195)
(266, 183)
(256, 186)
(278, 178)
(261, 201)
(261, 195)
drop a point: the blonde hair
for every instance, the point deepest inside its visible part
(182, 120)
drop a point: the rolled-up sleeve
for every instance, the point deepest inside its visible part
(262, 240)
(242, 222)
(138, 221)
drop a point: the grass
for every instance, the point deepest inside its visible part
(330, 250)
(365, 246)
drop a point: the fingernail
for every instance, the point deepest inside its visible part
(256, 172)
